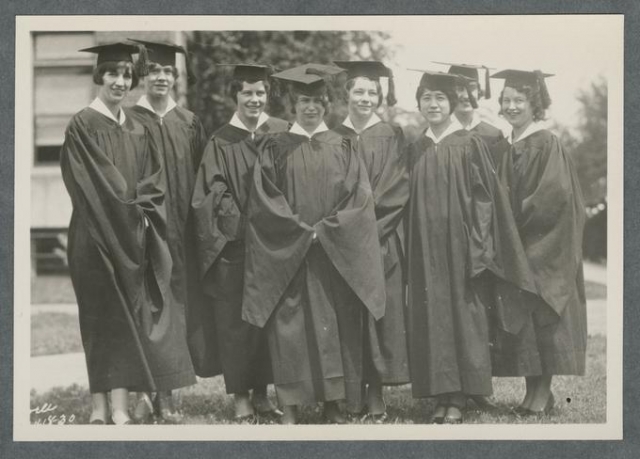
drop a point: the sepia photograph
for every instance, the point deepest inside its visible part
(303, 228)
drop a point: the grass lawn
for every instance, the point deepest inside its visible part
(54, 333)
(578, 400)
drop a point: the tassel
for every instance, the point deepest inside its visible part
(142, 64)
(391, 92)
(191, 78)
(544, 93)
(472, 100)
(487, 83)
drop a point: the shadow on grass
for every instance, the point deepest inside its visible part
(579, 399)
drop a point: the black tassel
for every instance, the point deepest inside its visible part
(544, 92)
(142, 64)
(472, 100)
(487, 83)
(391, 91)
(191, 78)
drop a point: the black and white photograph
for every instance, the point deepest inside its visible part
(303, 228)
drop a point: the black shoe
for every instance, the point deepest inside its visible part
(483, 403)
(332, 414)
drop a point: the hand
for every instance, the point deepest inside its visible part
(146, 222)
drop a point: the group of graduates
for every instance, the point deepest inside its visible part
(329, 262)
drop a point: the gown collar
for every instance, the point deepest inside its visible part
(475, 120)
(531, 129)
(101, 108)
(375, 119)
(144, 103)
(453, 127)
(236, 122)
(297, 129)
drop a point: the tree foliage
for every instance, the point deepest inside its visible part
(282, 50)
(590, 147)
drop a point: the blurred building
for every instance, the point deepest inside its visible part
(62, 86)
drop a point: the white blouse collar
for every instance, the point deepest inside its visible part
(297, 129)
(375, 119)
(531, 129)
(237, 122)
(453, 127)
(144, 103)
(101, 108)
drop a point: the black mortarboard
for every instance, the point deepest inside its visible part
(249, 72)
(308, 77)
(113, 52)
(439, 81)
(535, 78)
(164, 53)
(373, 70)
(471, 71)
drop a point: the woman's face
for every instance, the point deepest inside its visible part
(252, 100)
(435, 107)
(309, 111)
(160, 80)
(116, 83)
(363, 98)
(464, 104)
(516, 108)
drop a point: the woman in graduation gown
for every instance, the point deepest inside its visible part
(460, 236)
(381, 146)
(219, 206)
(313, 257)
(549, 212)
(119, 263)
(465, 112)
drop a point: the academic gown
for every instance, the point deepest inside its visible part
(382, 148)
(549, 212)
(219, 213)
(181, 140)
(461, 238)
(489, 133)
(120, 266)
(310, 295)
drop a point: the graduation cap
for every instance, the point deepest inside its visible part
(471, 71)
(535, 78)
(308, 77)
(164, 53)
(440, 81)
(373, 70)
(113, 52)
(249, 72)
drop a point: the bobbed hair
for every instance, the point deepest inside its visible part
(451, 94)
(236, 85)
(110, 66)
(323, 92)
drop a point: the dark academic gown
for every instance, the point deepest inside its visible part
(181, 140)
(382, 148)
(489, 133)
(120, 267)
(311, 295)
(219, 215)
(461, 237)
(548, 209)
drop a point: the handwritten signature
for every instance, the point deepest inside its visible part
(42, 416)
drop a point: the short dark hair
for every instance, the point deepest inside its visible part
(236, 85)
(534, 96)
(451, 94)
(351, 83)
(110, 66)
(323, 92)
(174, 69)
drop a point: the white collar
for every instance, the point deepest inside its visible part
(237, 122)
(453, 127)
(532, 128)
(144, 103)
(101, 108)
(373, 120)
(475, 120)
(297, 129)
